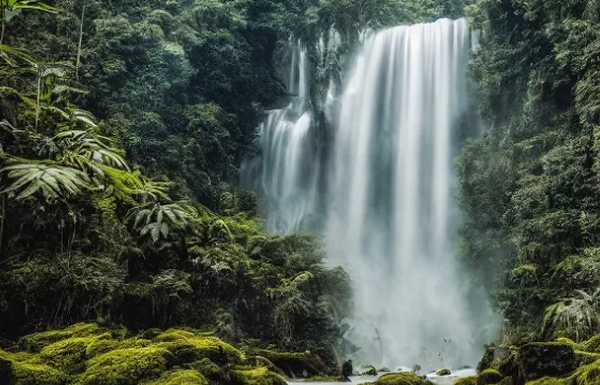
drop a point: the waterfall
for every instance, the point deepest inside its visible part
(388, 214)
(288, 168)
(391, 219)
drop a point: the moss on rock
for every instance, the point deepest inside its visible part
(27, 369)
(37, 341)
(402, 379)
(294, 364)
(257, 376)
(179, 377)
(443, 372)
(471, 380)
(125, 366)
(187, 346)
(489, 377)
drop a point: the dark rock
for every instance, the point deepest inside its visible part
(384, 370)
(488, 358)
(537, 360)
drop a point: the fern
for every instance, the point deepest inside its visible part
(52, 181)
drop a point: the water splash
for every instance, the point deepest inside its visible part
(391, 218)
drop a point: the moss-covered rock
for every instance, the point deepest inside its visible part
(443, 372)
(370, 371)
(37, 341)
(67, 355)
(257, 376)
(26, 369)
(585, 358)
(126, 366)
(180, 377)
(549, 381)
(187, 346)
(402, 379)
(587, 375)
(294, 364)
(537, 360)
(471, 380)
(489, 377)
(591, 346)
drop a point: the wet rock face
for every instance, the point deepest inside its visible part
(537, 360)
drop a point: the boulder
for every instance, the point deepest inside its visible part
(489, 377)
(404, 378)
(537, 360)
(443, 372)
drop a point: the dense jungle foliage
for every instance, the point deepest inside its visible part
(529, 185)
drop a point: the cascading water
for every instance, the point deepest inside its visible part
(289, 166)
(391, 219)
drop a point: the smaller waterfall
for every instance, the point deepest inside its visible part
(288, 166)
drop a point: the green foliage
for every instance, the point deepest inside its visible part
(581, 315)
(180, 377)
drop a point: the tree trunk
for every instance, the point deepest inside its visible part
(2, 219)
(3, 17)
(80, 41)
(38, 105)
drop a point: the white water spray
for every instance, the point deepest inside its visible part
(391, 219)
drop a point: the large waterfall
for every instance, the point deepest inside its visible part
(391, 223)
(390, 218)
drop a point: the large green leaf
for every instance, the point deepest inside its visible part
(52, 181)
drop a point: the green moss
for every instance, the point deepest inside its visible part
(443, 372)
(549, 381)
(257, 376)
(67, 355)
(293, 364)
(211, 370)
(587, 375)
(37, 341)
(471, 380)
(25, 373)
(401, 379)
(27, 369)
(585, 358)
(592, 345)
(188, 346)
(180, 377)
(488, 377)
(125, 366)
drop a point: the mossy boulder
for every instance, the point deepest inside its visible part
(443, 372)
(537, 360)
(179, 377)
(37, 341)
(187, 346)
(256, 376)
(294, 364)
(23, 369)
(67, 355)
(471, 380)
(489, 377)
(126, 366)
(369, 371)
(402, 379)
